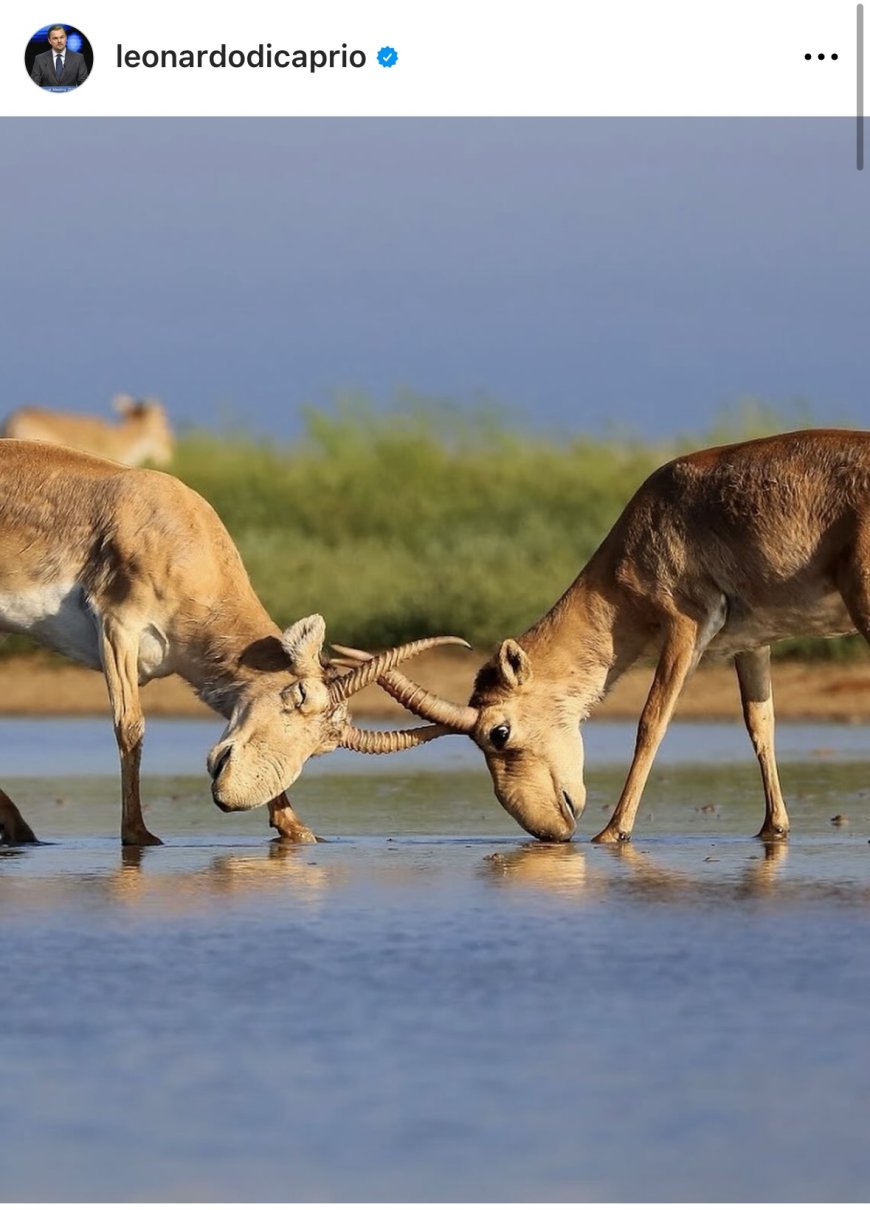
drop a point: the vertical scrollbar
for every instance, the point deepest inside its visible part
(859, 59)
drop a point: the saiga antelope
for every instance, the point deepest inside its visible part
(130, 571)
(724, 551)
(142, 435)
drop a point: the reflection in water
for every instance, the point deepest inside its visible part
(137, 878)
(428, 1000)
(426, 997)
(559, 868)
(285, 868)
(565, 870)
(760, 872)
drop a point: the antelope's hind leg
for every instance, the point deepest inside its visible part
(853, 580)
(756, 697)
(13, 827)
(120, 668)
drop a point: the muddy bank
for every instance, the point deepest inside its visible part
(37, 684)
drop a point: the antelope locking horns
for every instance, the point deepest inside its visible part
(415, 698)
(365, 673)
(380, 743)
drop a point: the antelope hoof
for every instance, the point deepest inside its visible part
(14, 828)
(295, 834)
(21, 834)
(773, 833)
(610, 835)
(140, 838)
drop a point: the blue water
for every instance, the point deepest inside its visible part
(178, 746)
(431, 1006)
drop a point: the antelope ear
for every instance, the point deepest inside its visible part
(513, 663)
(303, 642)
(124, 404)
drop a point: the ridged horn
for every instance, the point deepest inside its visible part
(381, 743)
(417, 699)
(374, 666)
(428, 705)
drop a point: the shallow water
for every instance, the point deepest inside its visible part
(432, 1006)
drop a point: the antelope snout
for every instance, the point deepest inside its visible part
(217, 761)
(557, 825)
(558, 830)
(570, 812)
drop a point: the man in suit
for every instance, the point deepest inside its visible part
(59, 66)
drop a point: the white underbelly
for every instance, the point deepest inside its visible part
(59, 616)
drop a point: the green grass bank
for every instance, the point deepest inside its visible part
(431, 519)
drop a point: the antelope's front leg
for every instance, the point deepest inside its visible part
(120, 653)
(287, 823)
(682, 648)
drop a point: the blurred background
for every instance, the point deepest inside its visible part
(418, 366)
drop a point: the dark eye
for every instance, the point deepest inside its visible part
(499, 736)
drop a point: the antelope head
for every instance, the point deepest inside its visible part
(528, 734)
(285, 714)
(150, 417)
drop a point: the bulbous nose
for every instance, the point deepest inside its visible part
(557, 833)
(569, 811)
(217, 759)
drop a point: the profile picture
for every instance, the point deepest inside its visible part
(58, 58)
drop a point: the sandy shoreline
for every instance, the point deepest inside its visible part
(38, 685)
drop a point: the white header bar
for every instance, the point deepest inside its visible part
(454, 58)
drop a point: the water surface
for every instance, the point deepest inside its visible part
(431, 1006)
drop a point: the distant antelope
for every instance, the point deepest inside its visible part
(142, 435)
(130, 571)
(727, 551)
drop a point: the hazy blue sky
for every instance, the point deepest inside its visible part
(585, 272)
